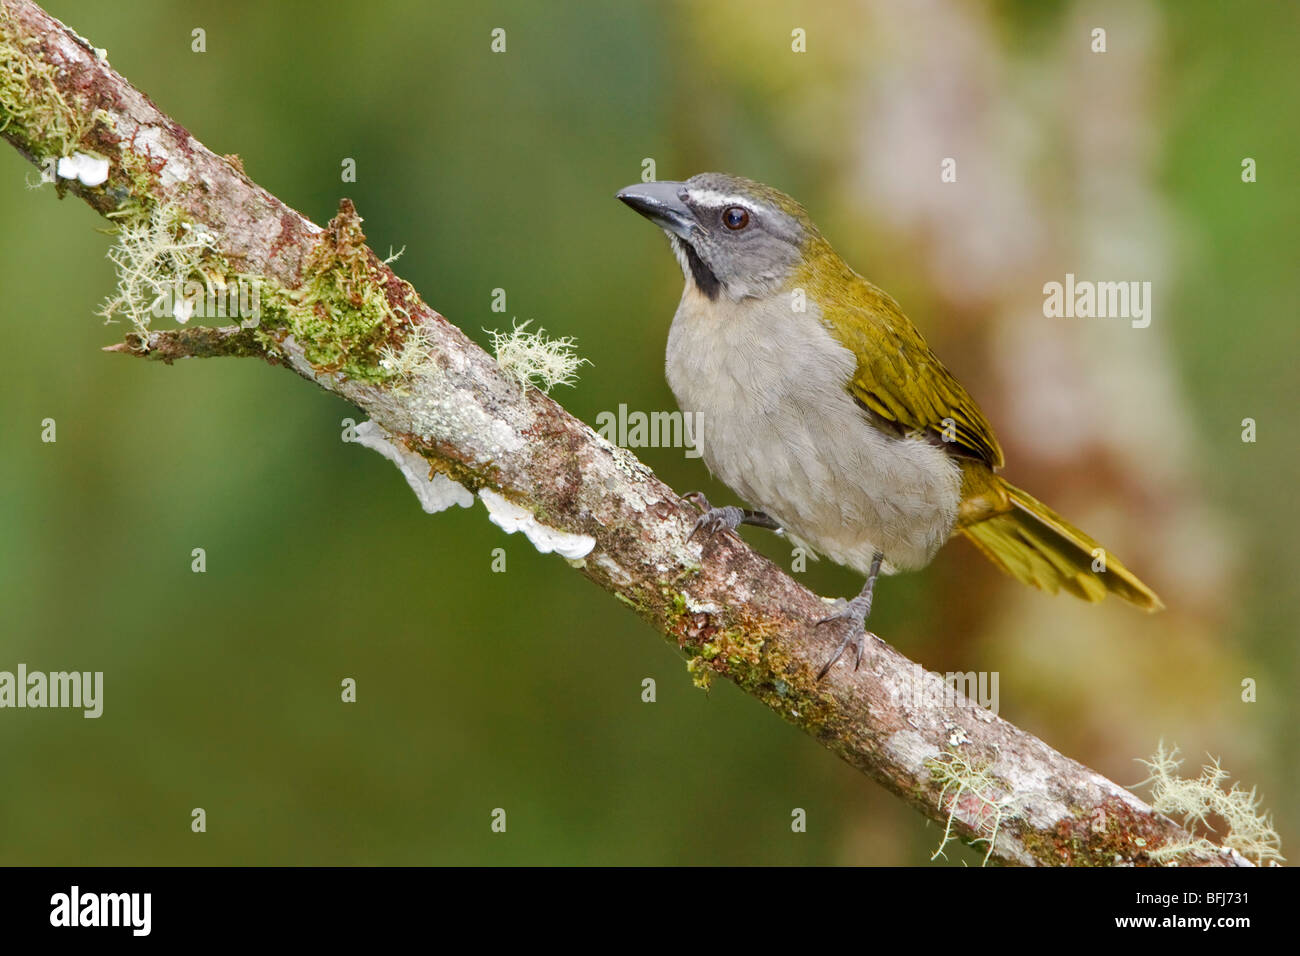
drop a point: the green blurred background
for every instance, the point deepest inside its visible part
(522, 690)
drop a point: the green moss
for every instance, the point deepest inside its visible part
(701, 673)
(341, 314)
(738, 648)
(32, 108)
(732, 651)
(35, 113)
(790, 687)
(733, 647)
(136, 198)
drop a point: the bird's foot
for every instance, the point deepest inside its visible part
(854, 613)
(713, 519)
(728, 518)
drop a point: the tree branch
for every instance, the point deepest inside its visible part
(338, 316)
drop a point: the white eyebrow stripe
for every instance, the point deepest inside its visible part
(709, 197)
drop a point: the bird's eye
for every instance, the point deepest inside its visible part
(735, 217)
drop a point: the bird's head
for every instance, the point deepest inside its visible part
(733, 237)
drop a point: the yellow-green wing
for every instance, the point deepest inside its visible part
(901, 381)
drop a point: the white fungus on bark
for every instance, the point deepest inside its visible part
(435, 494)
(90, 170)
(509, 517)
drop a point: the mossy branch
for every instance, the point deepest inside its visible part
(336, 314)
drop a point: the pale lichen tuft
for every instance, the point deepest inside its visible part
(153, 254)
(964, 780)
(1195, 802)
(530, 358)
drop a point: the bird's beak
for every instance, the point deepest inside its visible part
(662, 204)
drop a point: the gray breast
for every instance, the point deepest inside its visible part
(777, 425)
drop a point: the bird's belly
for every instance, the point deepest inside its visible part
(779, 427)
(836, 483)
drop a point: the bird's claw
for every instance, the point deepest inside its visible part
(855, 614)
(717, 519)
(697, 498)
(713, 519)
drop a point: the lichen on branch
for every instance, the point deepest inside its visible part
(1198, 802)
(156, 255)
(533, 358)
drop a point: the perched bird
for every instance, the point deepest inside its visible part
(819, 403)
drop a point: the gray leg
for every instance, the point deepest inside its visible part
(856, 613)
(728, 518)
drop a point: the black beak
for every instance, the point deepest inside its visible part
(662, 204)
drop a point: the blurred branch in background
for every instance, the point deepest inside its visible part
(339, 317)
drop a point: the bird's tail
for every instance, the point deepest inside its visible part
(1033, 544)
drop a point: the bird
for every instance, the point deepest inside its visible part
(820, 404)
